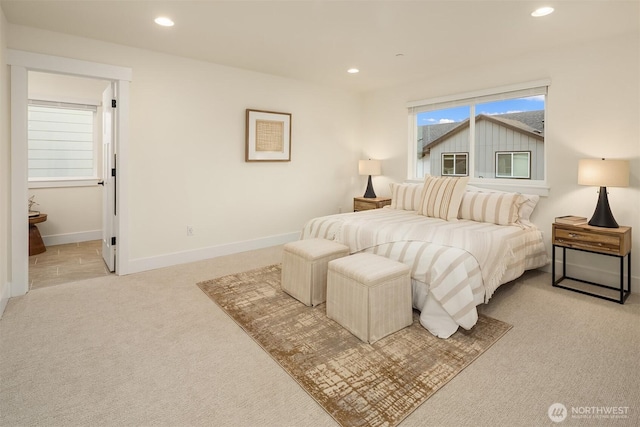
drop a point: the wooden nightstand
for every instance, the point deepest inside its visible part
(607, 241)
(364, 204)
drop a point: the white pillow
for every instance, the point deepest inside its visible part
(496, 208)
(441, 196)
(526, 208)
(406, 196)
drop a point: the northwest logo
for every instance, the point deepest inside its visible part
(557, 412)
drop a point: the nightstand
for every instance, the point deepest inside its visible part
(364, 204)
(614, 242)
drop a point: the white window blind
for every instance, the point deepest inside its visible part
(522, 90)
(61, 141)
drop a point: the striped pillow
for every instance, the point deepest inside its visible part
(406, 196)
(496, 208)
(441, 196)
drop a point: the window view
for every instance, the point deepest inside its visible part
(499, 136)
(61, 142)
(515, 125)
(439, 132)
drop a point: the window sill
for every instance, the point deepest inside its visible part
(64, 183)
(513, 186)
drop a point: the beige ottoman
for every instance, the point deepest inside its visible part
(304, 268)
(369, 295)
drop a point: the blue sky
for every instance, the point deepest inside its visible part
(458, 114)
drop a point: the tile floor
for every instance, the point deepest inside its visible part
(66, 263)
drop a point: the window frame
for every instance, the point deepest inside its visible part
(455, 155)
(528, 153)
(85, 104)
(532, 88)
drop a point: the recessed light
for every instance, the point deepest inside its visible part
(164, 21)
(543, 11)
(353, 71)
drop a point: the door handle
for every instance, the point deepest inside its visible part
(101, 182)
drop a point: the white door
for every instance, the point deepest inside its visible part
(109, 211)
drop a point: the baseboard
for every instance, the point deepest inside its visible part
(4, 297)
(63, 239)
(176, 258)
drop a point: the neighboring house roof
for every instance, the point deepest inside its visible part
(533, 119)
(432, 132)
(530, 123)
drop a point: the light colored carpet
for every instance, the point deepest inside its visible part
(356, 383)
(151, 349)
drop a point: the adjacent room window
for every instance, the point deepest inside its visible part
(62, 143)
(513, 165)
(491, 135)
(454, 164)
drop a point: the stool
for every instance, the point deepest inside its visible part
(36, 245)
(369, 295)
(304, 268)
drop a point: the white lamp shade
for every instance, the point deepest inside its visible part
(603, 173)
(369, 167)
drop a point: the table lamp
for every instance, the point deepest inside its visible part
(603, 173)
(369, 167)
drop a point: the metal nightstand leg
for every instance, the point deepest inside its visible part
(624, 293)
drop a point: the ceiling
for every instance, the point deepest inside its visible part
(392, 42)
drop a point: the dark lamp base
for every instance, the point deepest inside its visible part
(369, 193)
(602, 217)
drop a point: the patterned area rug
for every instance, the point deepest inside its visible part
(358, 384)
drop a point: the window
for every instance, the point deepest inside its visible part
(454, 164)
(513, 165)
(61, 139)
(497, 135)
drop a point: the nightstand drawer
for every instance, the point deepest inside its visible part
(614, 241)
(364, 204)
(590, 241)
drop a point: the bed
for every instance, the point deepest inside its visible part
(461, 243)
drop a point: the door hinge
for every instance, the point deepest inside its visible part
(113, 103)
(113, 241)
(113, 172)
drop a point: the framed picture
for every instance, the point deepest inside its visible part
(268, 136)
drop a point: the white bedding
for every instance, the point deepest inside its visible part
(455, 265)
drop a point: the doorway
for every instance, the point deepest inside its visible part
(66, 121)
(21, 63)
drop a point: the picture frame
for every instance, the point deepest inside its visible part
(267, 136)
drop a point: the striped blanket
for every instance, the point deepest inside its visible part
(455, 265)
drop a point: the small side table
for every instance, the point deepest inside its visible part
(614, 242)
(36, 245)
(365, 204)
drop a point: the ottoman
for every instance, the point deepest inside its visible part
(304, 268)
(369, 295)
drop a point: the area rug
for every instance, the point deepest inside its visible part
(358, 384)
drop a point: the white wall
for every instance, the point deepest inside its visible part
(187, 140)
(592, 111)
(74, 214)
(186, 151)
(5, 169)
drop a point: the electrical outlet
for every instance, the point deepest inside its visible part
(189, 230)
